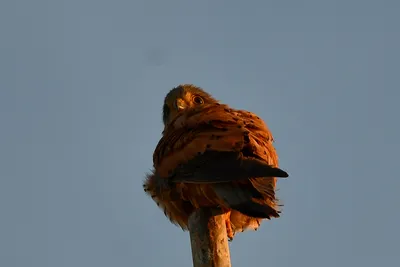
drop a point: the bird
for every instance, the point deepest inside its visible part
(212, 155)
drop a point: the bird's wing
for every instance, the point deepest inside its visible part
(211, 145)
(263, 140)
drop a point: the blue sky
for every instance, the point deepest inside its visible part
(81, 91)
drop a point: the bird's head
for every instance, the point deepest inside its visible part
(184, 97)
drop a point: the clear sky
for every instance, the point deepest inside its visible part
(81, 90)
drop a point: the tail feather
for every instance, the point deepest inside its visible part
(244, 200)
(256, 210)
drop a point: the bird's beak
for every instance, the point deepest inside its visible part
(180, 104)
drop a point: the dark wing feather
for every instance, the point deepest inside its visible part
(216, 167)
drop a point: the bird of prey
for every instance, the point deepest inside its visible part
(211, 155)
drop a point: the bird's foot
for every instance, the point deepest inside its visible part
(228, 225)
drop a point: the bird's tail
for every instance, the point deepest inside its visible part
(247, 201)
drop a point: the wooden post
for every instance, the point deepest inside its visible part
(208, 238)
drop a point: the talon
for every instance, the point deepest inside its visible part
(228, 225)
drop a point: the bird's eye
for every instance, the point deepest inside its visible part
(198, 100)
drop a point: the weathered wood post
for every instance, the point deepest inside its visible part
(208, 238)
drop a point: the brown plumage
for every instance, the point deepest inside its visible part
(212, 155)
